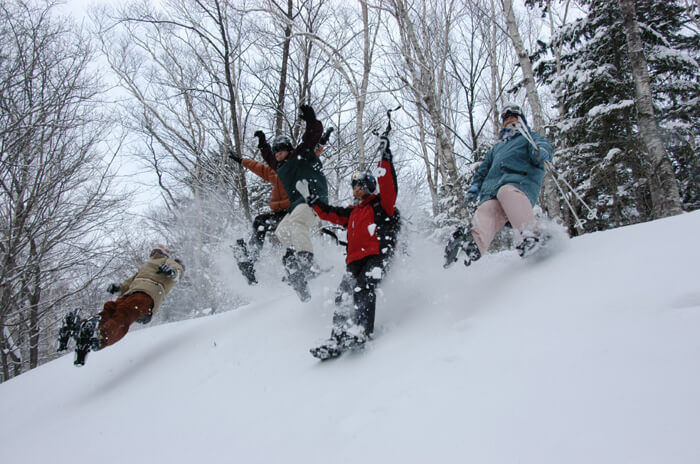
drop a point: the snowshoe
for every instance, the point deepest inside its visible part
(532, 245)
(461, 241)
(338, 344)
(87, 339)
(245, 264)
(298, 266)
(71, 323)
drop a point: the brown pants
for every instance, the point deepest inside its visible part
(117, 316)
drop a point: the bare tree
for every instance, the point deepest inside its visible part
(662, 181)
(551, 196)
(54, 187)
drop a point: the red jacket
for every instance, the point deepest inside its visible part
(367, 222)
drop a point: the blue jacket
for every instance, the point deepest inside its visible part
(515, 162)
(303, 165)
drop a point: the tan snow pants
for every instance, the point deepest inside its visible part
(295, 229)
(510, 204)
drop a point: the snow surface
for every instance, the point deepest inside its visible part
(589, 356)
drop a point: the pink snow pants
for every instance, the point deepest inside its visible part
(510, 204)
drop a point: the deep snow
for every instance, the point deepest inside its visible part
(590, 356)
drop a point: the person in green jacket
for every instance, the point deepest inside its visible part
(140, 296)
(294, 231)
(506, 184)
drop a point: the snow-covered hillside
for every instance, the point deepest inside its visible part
(591, 356)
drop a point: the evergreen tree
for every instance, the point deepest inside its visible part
(600, 145)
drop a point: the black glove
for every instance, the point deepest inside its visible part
(114, 288)
(384, 147)
(312, 199)
(326, 135)
(167, 270)
(261, 138)
(237, 158)
(307, 113)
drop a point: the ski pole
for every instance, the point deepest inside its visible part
(592, 214)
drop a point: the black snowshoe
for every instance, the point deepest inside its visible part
(461, 241)
(245, 264)
(298, 266)
(340, 342)
(70, 326)
(87, 339)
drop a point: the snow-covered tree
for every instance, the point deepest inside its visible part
(601, 148)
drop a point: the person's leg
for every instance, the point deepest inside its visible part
(294, 231)
(517, 208)
(488, 219)
(365, 297)
(127, 309)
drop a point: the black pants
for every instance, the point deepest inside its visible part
(263, 224)
(360, 280)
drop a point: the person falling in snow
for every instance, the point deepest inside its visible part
(140, 296)
(368, 236)
(507, 184)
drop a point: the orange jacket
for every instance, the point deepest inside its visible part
(279, 201)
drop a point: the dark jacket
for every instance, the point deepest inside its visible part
(368, 223)
(301, 163)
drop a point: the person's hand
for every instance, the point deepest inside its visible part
(472, 194)
(307, 113)
(384, 147)
(326, 135)
(167, 270)
(543, 154)
(303, 189)
(114, 288)
(261, 138)
(237, 158)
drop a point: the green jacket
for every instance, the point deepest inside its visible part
(513, 162)
(149, 281)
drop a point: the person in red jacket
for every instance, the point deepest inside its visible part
(370, 243)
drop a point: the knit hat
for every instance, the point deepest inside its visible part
(161, 249)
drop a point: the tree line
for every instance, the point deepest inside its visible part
(171, 88)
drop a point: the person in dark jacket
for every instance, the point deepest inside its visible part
(507, 184)
(294, 165)
(370, 242)
(140, 296)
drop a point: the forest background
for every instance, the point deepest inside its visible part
(115, 126)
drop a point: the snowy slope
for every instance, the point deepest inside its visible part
(589, 356)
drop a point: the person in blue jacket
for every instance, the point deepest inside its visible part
(507, 185)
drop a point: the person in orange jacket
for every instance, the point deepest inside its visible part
(264, 223)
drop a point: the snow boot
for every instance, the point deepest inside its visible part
(298, 266)
(245, 263)
(461, 241)
(87, 338)
(71, 323)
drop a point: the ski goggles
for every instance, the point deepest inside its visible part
(511, 110)
(364, 179)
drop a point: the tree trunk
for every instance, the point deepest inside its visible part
(279, 118)
(665, 197)
(551, 197)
